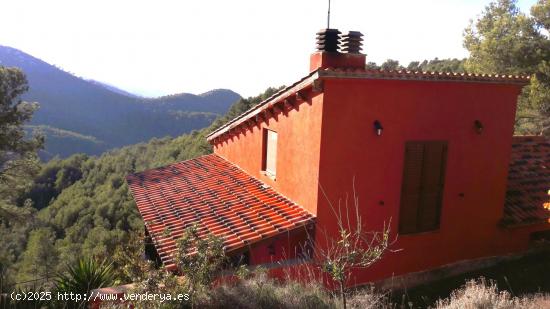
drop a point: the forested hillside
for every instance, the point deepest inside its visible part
(81, 206)
(81, 116)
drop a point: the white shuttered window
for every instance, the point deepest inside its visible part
(270, 152)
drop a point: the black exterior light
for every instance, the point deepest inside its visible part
(378, 128)
(478, 126)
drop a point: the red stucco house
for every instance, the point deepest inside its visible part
(432, 153)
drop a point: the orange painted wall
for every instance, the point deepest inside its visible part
(286, 246)
(477, 164)
(299, 135)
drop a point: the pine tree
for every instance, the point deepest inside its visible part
(18, 159)
(39, 260)
(506, 41)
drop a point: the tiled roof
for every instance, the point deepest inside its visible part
(424, 76)
(365, 74)
(221, 198)
(527, 196)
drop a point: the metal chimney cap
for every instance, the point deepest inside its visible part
(353, 34)
(352, 42)
(328, 40)
(328, 30)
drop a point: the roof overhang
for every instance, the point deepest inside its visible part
(314, 79)
(285, 93)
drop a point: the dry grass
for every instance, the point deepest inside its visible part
(262, 292)
(481, 294)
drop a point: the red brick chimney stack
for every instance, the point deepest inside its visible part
(329, 45)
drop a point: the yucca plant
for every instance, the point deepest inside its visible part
(83, 277)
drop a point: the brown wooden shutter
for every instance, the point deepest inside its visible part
(433, 174)
(422, 188)
(410, 191)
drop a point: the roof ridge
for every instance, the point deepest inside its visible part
(445, 73)
(406, 73)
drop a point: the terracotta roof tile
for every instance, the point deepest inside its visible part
(528, 192)
(421, 75)
(220, 197)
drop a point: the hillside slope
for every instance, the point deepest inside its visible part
(85, 202)
(113, 88)
(113, 119)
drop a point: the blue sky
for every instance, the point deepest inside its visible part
(161, 47)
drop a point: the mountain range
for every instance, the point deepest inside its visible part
(86, 116)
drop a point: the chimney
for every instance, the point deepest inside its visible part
(351, 42)
(328, 40)
(328, 55)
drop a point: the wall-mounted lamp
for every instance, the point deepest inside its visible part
(478, 126)
(378, 128)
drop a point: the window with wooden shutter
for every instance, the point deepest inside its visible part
(422, 188)
(270, 152)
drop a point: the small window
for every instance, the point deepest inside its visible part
(270, 152)
(239, 259)
(422, 188)
(271, 249)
